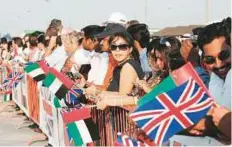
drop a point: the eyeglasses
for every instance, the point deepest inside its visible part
(122, 47)
(223, 55)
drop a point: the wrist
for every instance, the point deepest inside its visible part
(96, 91)
(135, 99)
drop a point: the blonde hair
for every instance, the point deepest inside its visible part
(72, 37)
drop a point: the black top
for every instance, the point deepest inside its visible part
(84, 70)
(114, 84)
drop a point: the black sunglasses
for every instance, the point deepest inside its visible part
(122, 47)
(223, 55)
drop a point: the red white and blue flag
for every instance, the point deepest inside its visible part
(12, 81)
(73, 97)
(124, 140)
(172, 111)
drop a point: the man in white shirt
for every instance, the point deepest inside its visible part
(215, 44)
(214, 41)
(88, 55)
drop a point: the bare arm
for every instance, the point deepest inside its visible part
(116, 100)
(127, 79)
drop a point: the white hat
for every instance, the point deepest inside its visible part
(117, 17)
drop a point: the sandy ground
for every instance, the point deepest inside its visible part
(14, 134)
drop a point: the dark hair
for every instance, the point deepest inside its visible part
(132, 22)
(51, 31)
(153, 45)
(37, 33)
(41, 38)
(140, 33)
(3, 40)
(173, 56)
(175, 59)
(164, 50)
(196, 31)
(9, 46)
(18, 41)
(56, 23)
(33, 40)
(209, 33)
(58, 40)
(226, 27)
(80, 41)
(46, 43)
(174, 42)
(127, 37)
(91, 30)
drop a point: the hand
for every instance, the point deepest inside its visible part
(185, 49)
(1, 60)
(82, 81)
(143, 84)
(92, 90)
(198, 128)
(65, 69)
(26, 58)
(89, 83)
(144, 138)
(21, 69)
(218, 113)
(102, 102)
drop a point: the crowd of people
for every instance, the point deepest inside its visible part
(119, 62)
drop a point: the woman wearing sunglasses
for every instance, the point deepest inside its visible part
(124, 75)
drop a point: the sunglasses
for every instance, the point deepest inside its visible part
(223, 55)
(122, 47)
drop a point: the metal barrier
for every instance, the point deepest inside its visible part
(110, 122)
(48, 116)
(3, 75)
(20, 93)
(36, 102)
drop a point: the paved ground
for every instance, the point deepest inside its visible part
(11, 134)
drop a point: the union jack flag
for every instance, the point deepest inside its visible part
(73, 97)
(12, 81)
(124, 140)
(173, 111)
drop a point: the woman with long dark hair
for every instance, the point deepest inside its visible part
(125, 74)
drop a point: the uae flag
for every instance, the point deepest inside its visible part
(35, 71)
(62, 77)
(55, 86)
(70, 115)
(7, 96)
(83, 131)
(59, 103)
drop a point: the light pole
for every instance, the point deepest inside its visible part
(145, 11)
(207, 2)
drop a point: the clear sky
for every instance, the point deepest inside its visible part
(19, 15)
